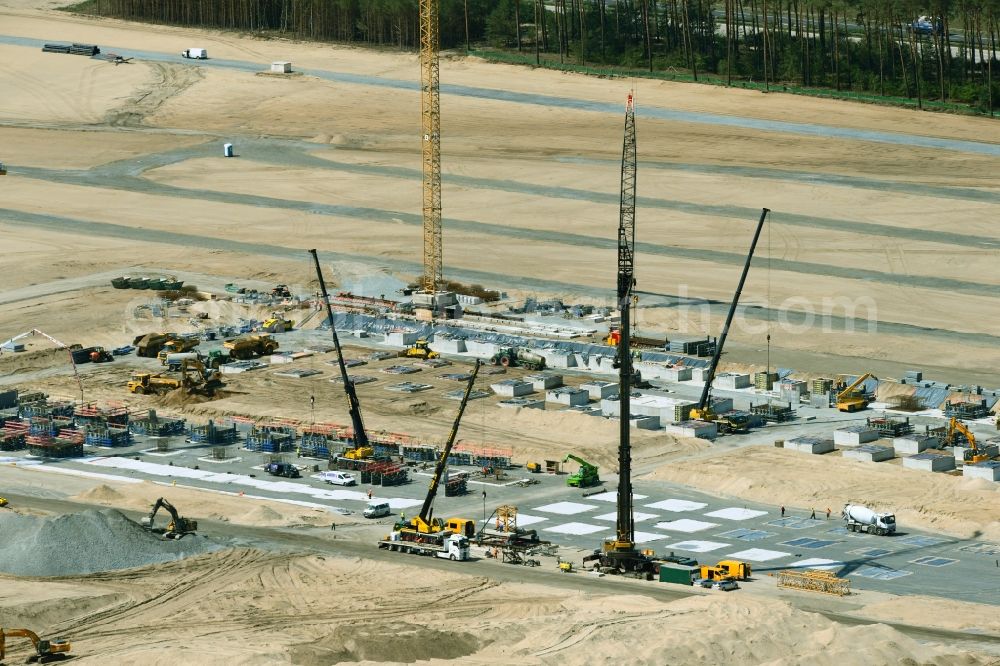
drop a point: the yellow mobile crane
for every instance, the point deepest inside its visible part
(850, 399)
(972, 454)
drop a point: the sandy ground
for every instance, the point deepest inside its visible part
(250, 607)
(939, 502)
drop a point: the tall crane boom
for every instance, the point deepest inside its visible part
(430, 115)
(703, 408)
(425, 521)
(353, 404)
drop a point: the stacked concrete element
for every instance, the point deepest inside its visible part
(816, 445)
(930, 462)
(558, 358)
(663, 371)
(732, 381)
(912, 444)
(512, 388)
(401, 338)
(544, 381)
(989, 470)
(854, 435)
(446, 344)
(567, 395)
(599, 390)
(699, 429)
(517, 403)
(871, 453)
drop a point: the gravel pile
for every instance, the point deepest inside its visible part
(83, 543)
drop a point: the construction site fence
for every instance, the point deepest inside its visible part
(814, 580)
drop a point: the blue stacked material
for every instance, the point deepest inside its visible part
(271, 439)
(421, 453)
(158, 427)
(96, 435)
(212, 434)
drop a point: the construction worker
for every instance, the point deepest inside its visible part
(782, 512)
(369, 493)
(813, 516)
(828, 513)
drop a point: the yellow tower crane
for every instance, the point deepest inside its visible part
(430, 105)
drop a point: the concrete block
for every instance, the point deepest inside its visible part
(544, 381)
(601, 363)
(912, 444)
(558, 358)
(929, 462)
(567, 396)
(732, 380)
(512, 388)
(699, 429)
(795, 385)
(814, 445)
(819, 400)
(645, 422)
(580, 360)
(599, 390)
(985, 470)
(481, 349)
(871, 453)
(401, 338)
(449, 345)
(699, 374)
(855, 435)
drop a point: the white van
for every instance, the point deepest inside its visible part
(377, 509)
(198, 54)
(338, 478)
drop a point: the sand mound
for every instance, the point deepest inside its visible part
(83, 543)
(385, 642)
(261, 514)
(102, 493)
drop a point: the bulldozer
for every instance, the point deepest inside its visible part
(178, 526)
(45, 650)
(277, 325)
(144, 383)
(250, 346)
(419, 349)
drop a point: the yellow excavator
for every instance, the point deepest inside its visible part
(178, 525)
(972, 454)
(45, 650)
(850, 398)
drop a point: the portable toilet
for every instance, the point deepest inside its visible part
(227, 149)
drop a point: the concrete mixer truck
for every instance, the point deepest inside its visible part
(862, 519)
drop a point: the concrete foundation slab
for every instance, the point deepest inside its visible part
(645, 422)
(871, 453)
(855, 435)
(699, 429)
(911, 444)
(512, 388)
(558, 358)
(401, 338)
(984, 470)
(599, 390)
(732, 380)
(449, 345)
(544, 381)
(567, 396)
(929, 462)
(816, 445)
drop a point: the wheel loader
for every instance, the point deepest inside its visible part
(419, 349)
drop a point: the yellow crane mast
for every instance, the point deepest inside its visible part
(430, 105)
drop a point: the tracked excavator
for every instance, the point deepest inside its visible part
(972, 454)
(46, 650)
(178, 526)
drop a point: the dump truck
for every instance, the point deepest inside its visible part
(150, 344)
(862, 519)
(518, 357)
(179, 345)
(143, 383)
(585, 477)
(250, 346)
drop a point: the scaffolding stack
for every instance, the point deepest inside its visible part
(383, 474)
(771, 413)
(966, 410)
(96, 434)
(14, 435)
(480, 456)
(212, 434)
(272, 438)
(320, 440)
(154, 425)
(419, 452)
(112, 414)
(815, 580)
(43, 425)
(66, 444)
(891, 427)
